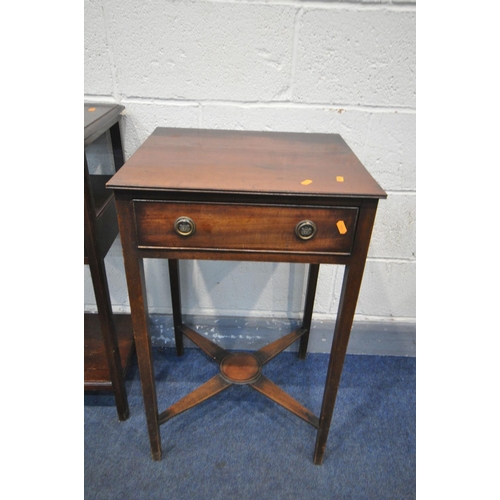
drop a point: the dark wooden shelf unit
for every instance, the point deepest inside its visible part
(109, 343)
(97, 374)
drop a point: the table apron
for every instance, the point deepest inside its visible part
(253, 256)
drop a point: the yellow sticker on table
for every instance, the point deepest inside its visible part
(306, 182)
(340, 178)
(341, 227)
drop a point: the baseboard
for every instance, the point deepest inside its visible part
(367, 337)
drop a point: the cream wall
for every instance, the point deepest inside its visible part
(341, 67)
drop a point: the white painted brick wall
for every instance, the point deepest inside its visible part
(341, 67)
(97, 61)
(356, 57)
(202, 50)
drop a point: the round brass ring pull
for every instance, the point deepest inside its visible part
(184, 226)
(305, 229)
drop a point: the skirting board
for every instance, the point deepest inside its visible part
(367, 337)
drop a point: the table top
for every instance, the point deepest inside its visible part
(98, 117)
(226, 161)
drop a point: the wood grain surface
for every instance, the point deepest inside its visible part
(241, 161)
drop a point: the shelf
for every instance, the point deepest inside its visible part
(98, 118)
(97, 375)
(108, 351)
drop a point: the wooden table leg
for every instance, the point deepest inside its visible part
(134, 269)
(312, 281)
(351, 285)
(116, 144)
(175, 292)
(103, 302)
(347, 306)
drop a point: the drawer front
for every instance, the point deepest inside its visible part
(253, 228)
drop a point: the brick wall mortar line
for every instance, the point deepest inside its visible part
(336, 5)
(392, 260)
(113, 69)
(295, 45)
(261, 104)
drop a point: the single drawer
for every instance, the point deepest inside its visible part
(252, 228)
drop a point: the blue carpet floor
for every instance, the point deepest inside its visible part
(240, 445)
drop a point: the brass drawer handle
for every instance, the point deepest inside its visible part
(184, 226)
(305, 229)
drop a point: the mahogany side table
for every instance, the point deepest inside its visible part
(108, 338)
(237, 195)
